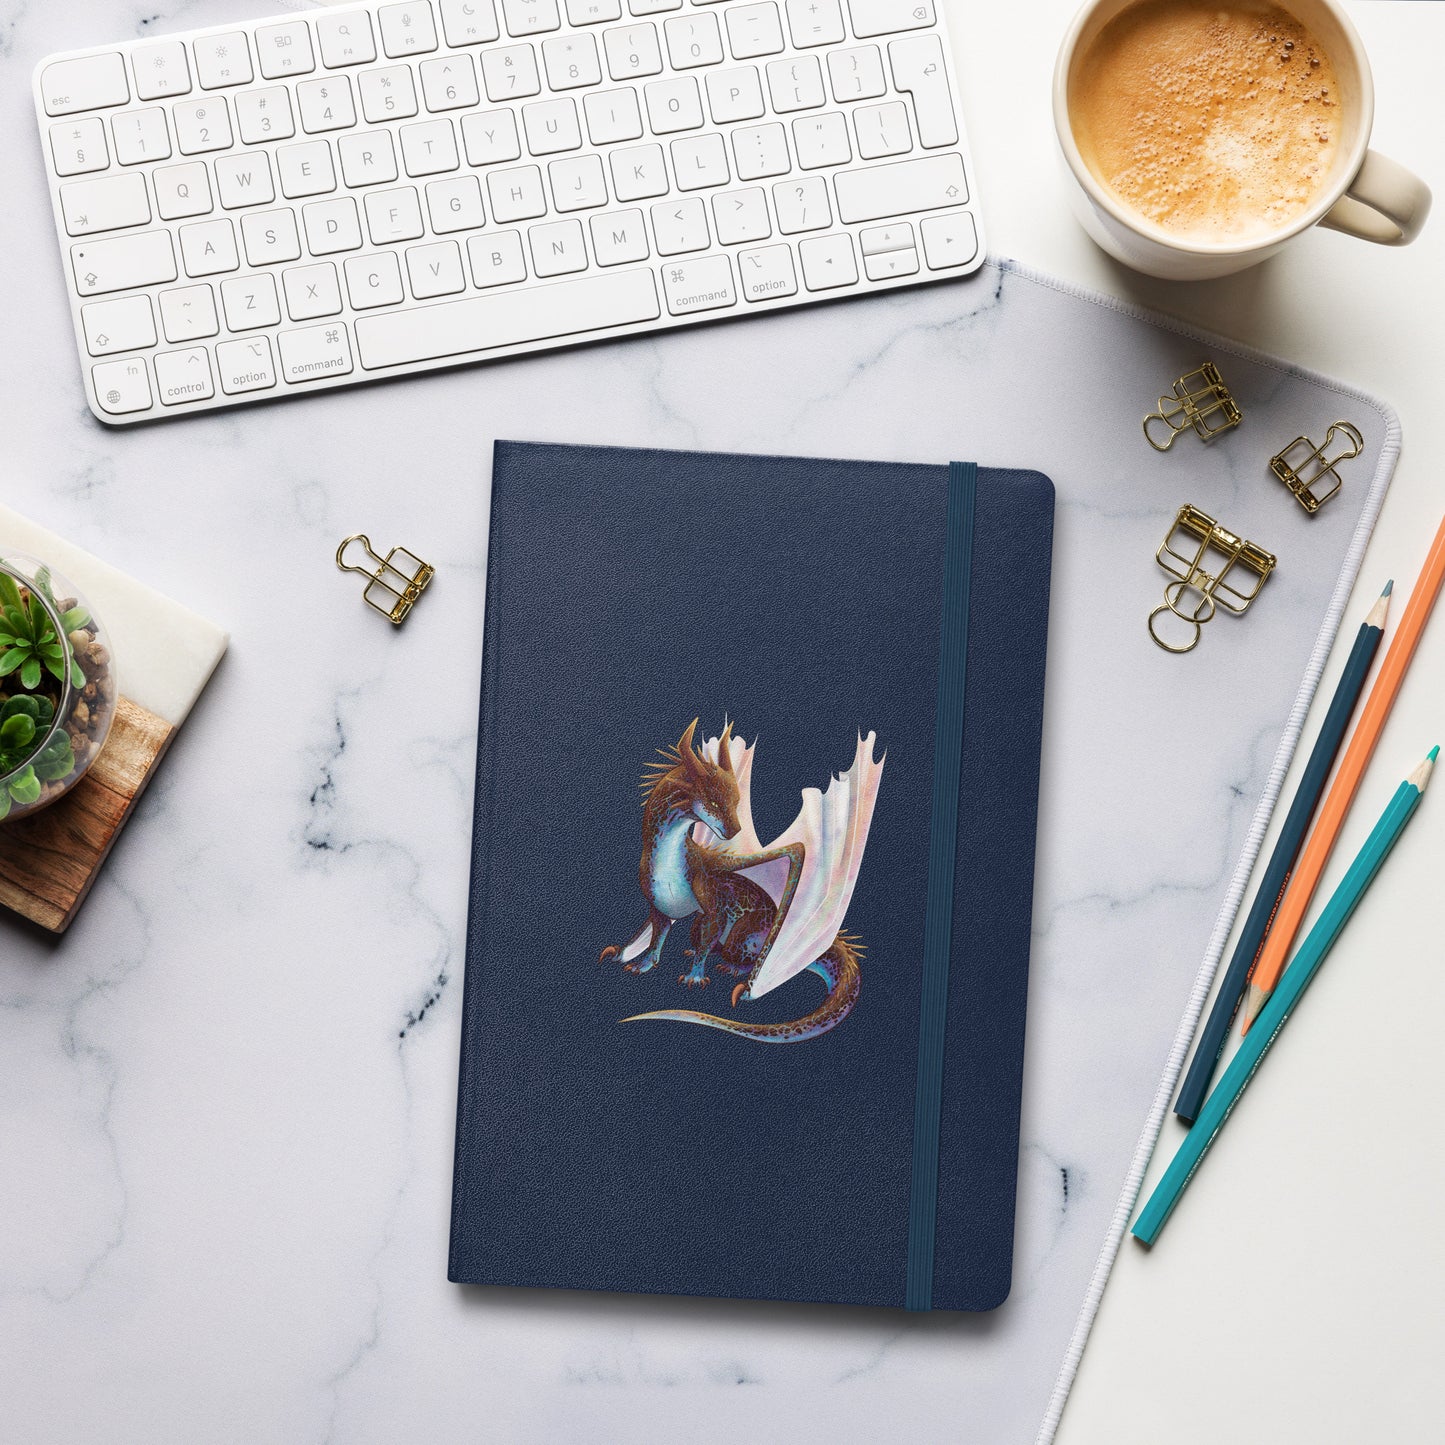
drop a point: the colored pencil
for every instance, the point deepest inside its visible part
(1282, 860)
(1313, 952)
(1302, 885)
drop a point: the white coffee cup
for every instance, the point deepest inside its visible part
(1369, 195)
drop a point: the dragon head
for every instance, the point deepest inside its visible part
(712, 788)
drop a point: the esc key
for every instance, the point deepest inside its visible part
(90, 82)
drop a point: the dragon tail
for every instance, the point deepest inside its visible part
(838, 968)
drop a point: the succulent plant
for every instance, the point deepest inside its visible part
(29, 644)
(24, 722)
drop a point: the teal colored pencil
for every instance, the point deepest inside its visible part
(1313, 952)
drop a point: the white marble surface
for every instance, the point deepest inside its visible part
(226, 1106)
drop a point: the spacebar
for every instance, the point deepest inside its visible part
(510, 318)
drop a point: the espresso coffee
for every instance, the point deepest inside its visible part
(1217, 122)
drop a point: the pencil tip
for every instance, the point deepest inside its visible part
(1433, 753)
(1389, 588)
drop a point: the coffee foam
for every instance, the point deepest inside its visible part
(1216, 122)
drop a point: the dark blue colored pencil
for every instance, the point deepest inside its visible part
(1282, 860)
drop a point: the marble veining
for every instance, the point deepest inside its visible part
(227, 1098)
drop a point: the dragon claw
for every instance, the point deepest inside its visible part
(611, 951)
(738, 992)
(640, 966)
(693, 980)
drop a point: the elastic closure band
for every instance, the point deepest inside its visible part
(938, 910)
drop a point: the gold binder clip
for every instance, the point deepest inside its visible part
(1302, 465)
(394, 582)
(1195, 540)
(1202, 401)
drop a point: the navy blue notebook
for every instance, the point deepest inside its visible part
(748, 943)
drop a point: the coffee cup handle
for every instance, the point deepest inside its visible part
(1384, 203)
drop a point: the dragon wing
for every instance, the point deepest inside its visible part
(832, 827)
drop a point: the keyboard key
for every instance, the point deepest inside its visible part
(510, 73)
(802, 205)
(407, 30)
(393, 216)
(387, 94)
(795, 84)
(315, 352)
(373, 280)
(77, 146)
(469, 22)
(578, 183)
(557, 248)
(306, 169)
(245, 365)
(767, 273)
(270, 237)
(530, 17)
(551, 126)
(632, 51)
(140, 136)
(927, 184)
(332, 226)
(741, 216)
(949, 240)
(311, 291)
(183, 376)
(888, 264)
(249, 302)
(699, 162)
(208, 248)
(160, 70)
(734, 95)
(188, 313)
(593, 12)
(680, 226)
(652, 7)
(244, 180)
(182, 191)
(120, 325)
(673, 105)
(618, 237)
(367, 159)
(490, 136)
(507, 318)
(754, 30)
(107, 203)
(571, 61)
(456, 205)
(821, 140)
(693, 40)
(345, 39)
(122, 386)
(428, 147)
(516, 195)
(814, 22)
(285, 50)
(122, 263)
(917, 62)
(265, 114)
(435, 270)
(761, 150)
(90, 82)
(879, 17)
(828, 262)
(325, 104)
(612, 115)
(877, 239)
(496, 258)
(704, 283)
(202, 125)
(856, 74)
(223, 60)
(638, 172)
(882, 130)
(449, 83)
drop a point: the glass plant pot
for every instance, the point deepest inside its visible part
(57, 686)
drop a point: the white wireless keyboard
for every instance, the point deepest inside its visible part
(312, 201)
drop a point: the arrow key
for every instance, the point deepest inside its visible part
(949, 240)
(888, 264)
(828, 262)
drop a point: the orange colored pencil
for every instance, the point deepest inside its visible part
(1332, 815)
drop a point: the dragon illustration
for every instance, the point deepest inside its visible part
(759, 913)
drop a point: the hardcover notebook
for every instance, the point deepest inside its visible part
(756, 1028)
